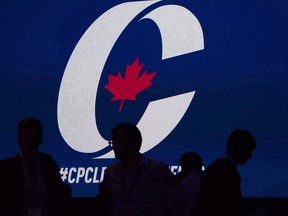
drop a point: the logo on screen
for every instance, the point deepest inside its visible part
(181, 33)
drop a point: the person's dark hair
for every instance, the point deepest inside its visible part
(240, 138)
(30, 123)
(130, 130)
(191, 161)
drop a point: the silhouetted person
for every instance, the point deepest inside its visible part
(220, 192)
(189, 161)
(30, 182)
(191, 172)
(136, 185)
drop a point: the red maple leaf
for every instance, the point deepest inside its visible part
(132, 84)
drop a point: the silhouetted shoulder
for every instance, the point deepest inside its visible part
(46, 159)
(154, 164)
(113, 167)
(221, 177)
(10, 164)
(45, 156)
(221, 165)
(6, 161)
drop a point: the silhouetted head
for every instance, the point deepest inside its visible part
(126, 140)
(191, 161)
(240, 145)
(29, 137)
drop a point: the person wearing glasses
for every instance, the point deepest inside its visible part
(137, 185)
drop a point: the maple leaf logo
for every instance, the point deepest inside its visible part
(132, 84)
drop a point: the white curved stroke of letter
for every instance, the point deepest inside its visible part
(181, 33)
(162, 116)
(77, 94)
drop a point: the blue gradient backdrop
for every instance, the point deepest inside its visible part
(240, 79)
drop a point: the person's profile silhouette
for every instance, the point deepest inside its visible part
(220, 192)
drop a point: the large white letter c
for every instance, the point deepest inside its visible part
(77, 94)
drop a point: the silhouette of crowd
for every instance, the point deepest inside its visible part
(133, 186)
(137, 185)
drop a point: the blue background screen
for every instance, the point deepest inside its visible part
(240, 80)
